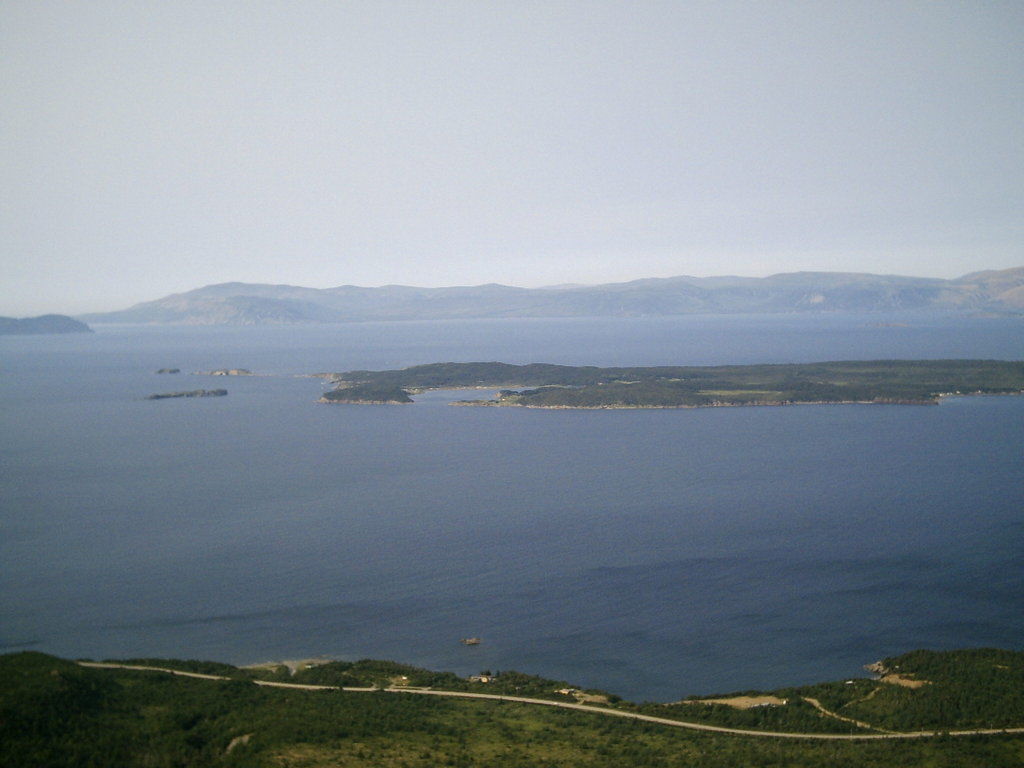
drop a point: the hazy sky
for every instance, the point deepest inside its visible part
(151, 147)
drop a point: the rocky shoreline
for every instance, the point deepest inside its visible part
(625, 407)
(336, 401)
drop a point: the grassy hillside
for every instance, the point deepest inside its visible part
(56, 713)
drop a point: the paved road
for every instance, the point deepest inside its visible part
(585, 708)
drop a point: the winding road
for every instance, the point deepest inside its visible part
(888, 735)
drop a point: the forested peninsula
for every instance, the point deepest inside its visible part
(542, 385)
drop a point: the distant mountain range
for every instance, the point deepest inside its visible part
(42, 324)
(257, 304)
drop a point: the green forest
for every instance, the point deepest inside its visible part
(54, 712)
(559, 386)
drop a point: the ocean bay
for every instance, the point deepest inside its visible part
(655, 554)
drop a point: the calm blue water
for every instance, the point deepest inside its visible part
(652, 553)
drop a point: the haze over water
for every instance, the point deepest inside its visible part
(653, 553)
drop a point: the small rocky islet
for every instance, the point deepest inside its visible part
(190, 393)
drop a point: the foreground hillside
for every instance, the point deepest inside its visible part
(54, 712)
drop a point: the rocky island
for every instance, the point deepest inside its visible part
(542, 385)
(192, 393)
(226, 372)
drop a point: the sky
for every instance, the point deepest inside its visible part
(154, 147)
